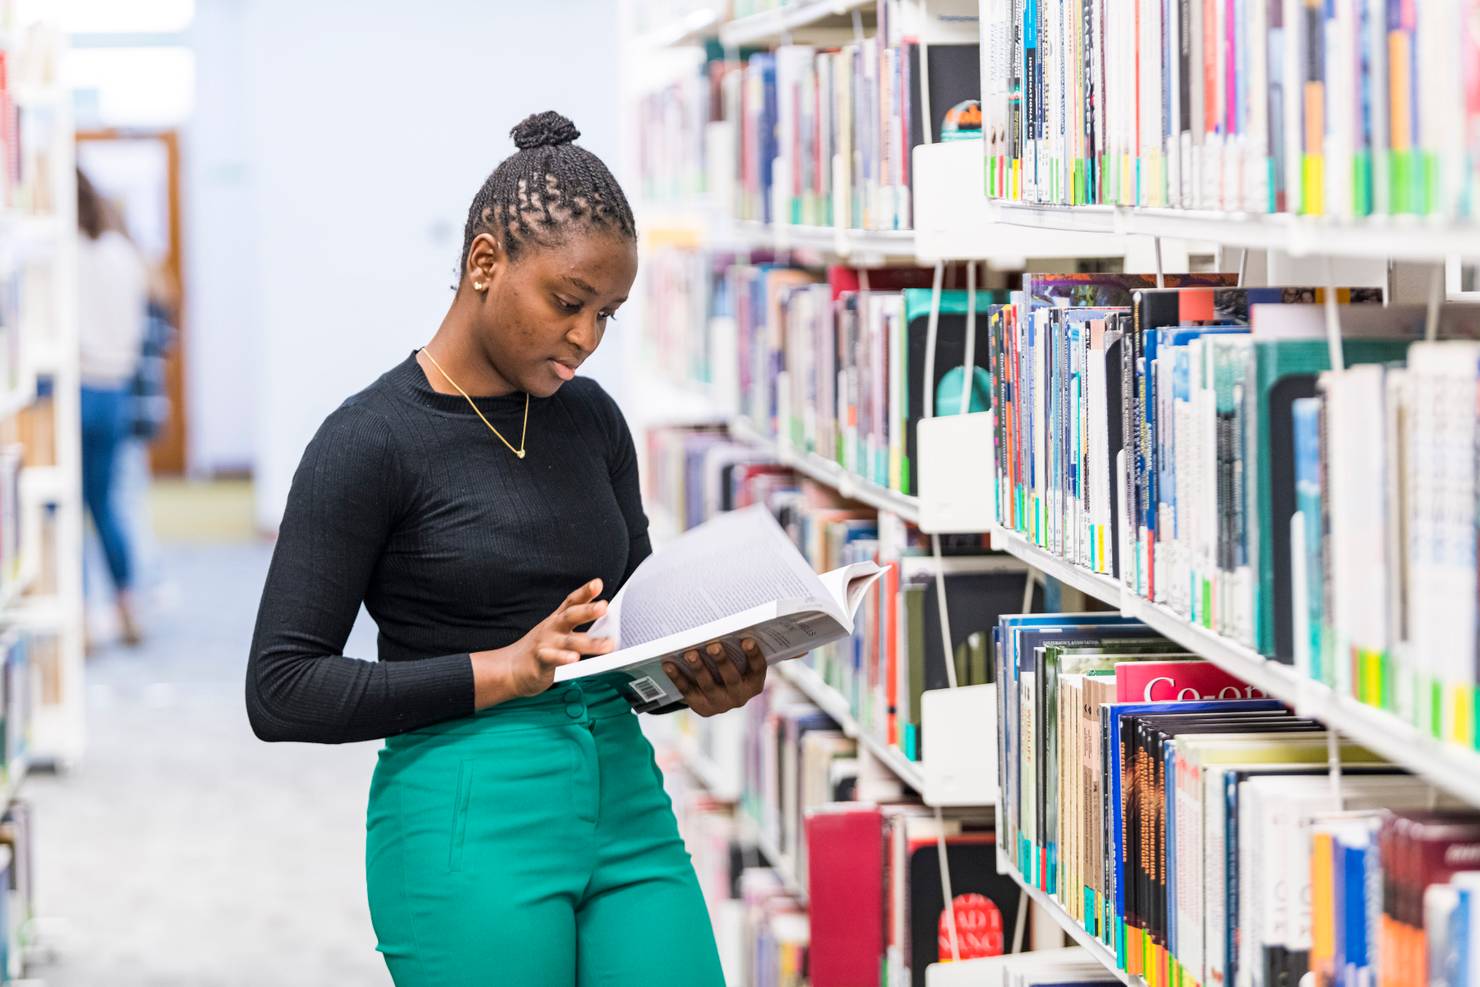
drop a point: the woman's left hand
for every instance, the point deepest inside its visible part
(711, 684)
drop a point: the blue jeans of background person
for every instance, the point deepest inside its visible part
(104, 428)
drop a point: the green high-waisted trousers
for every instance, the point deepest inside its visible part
(533, 844)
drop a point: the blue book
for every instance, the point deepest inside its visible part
(1116, 713)
(1010, 629)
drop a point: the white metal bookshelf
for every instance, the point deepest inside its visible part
(834, 704)
(1447, 766)
(987, 230)
(823, 19)
(1077, 932)
(1398, 238)
(58, 729)
(827, 472)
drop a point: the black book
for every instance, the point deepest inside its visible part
(986, 903)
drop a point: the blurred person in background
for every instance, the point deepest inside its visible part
(113, 287)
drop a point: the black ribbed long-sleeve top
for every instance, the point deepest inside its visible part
(406, 502)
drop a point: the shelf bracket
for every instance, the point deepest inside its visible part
(1333, 320)
(1333, 765)
(932, 328)
(1161, 278)
(1436, 300)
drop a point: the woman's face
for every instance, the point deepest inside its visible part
(543, 313)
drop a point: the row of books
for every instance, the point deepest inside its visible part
(835, 363)
(809, 135)
(11, 519)
(896, 652)
(868, 859)
(26, 137)
(826, 134)
(17, 887)
(1339, 109)
(18, 682)
(777, 936)
(1384, 578)
(1177, 815)
(836, 876)
(682, 292)
(1167, 437)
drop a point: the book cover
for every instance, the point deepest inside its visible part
(984, 903)
(845, 891)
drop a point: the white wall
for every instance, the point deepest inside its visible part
(344, 167)
(220, 262)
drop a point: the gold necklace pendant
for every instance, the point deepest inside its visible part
(523, 433)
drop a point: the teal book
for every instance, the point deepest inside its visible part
(949, 364)
(1281, 372)
(1307, 428)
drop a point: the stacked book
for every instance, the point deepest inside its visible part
(1167, 807)
(1338, 109)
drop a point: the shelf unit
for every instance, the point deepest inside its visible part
(825, 20)
(58, 731)
(691, 28)
(831, 702)
(1447, 766)
(1399, 238)
(978, 231)
(1051, 908)
(826, 472)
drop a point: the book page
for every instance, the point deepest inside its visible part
(726, 566)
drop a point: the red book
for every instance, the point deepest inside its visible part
(845, 890)
(1180, 681)
(845, 279)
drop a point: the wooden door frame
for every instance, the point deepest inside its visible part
(168, 454)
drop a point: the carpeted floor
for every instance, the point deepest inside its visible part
(181, 851)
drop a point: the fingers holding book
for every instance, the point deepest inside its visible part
(721, 676)
(527, 667)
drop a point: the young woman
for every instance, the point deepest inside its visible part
(480, 499)
(113, 283)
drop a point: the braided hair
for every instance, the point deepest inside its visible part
(544, 189)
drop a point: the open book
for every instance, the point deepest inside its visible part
(735, 576)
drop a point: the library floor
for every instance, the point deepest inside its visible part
(181, 851)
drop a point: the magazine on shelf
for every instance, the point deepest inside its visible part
(736, 576)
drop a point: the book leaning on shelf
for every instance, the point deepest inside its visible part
(734, 577)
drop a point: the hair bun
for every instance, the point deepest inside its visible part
(547, 129)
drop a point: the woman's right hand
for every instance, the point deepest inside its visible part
(527, 667)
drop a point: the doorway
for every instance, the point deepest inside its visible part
(139, 170)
